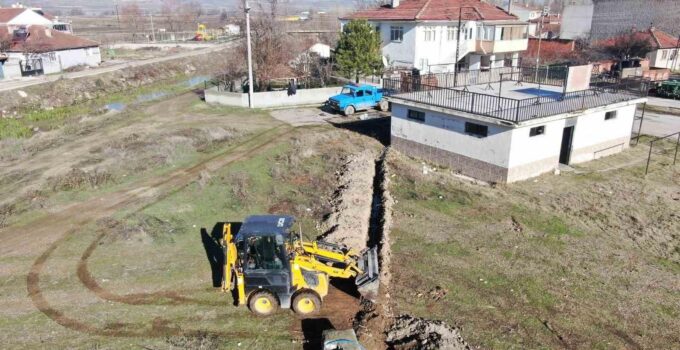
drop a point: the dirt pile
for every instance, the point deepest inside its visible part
(410, 332)
(348, 224)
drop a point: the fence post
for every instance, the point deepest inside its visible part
(642, 119)
(583, 101)
(677, 144)
(472, 104)
(517, 113)
(651, 145)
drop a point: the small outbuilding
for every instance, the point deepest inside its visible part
(37, 50)
(511, 127)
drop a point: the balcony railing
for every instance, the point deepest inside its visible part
(510, 109)
(554, 76)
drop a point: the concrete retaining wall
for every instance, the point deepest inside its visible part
(271, 99)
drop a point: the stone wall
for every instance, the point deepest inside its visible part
(461, 164)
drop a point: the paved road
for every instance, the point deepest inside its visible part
(656, 124)
(664, 102)
(19, 84)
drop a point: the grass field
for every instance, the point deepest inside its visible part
(122, 261)
(582, 260)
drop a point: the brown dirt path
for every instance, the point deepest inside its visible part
(52, 230)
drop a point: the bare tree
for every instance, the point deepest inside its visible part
(627, 46)
(180, 15)
(131, 15)
(272, 49)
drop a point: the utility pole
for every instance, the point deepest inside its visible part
(250, 56)
(153, 32)
(546, 11)
(460, 22)
(117, 16)
(677, 53)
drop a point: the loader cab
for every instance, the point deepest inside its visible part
(263, 255)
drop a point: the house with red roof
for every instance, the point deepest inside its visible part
(17, 16)
(424, 34)
(666, 47)
(36, 50)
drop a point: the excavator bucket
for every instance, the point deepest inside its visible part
(368, 282)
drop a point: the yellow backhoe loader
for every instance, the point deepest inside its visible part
(271, 267)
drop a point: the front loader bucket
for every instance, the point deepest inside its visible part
(369, 281)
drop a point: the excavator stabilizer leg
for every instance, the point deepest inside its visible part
(368, 283)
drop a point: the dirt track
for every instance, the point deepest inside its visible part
(53, 230)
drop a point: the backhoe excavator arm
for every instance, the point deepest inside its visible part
(232, 273)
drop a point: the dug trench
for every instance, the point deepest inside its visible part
(360, 221)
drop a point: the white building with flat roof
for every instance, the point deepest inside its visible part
(511, 128)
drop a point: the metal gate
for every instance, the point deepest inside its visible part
(31, 67)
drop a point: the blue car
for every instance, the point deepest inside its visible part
(354, 98)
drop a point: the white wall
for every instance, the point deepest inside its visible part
(398, 53)
(271, 99)
(592, 130)
(656, 59)
(448, 133)
(57, 61)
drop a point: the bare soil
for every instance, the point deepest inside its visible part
(348, 224)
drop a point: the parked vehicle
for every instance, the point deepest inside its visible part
(354, 98)
(669, 89)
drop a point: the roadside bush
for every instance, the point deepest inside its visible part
(78, 178)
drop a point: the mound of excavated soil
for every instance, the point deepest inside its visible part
(348, 224)
(410, 332)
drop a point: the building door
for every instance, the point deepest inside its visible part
(565, 151)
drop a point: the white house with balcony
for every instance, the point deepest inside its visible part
(424, 34)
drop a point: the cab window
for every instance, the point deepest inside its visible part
(265, 253)
(346, 91)
(360, 93)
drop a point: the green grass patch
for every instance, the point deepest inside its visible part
(669, 265)
(550, 225)
(14, 128)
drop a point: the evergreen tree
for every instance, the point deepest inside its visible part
(358, 50)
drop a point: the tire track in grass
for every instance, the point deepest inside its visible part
(87, 212)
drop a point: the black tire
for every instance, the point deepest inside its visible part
(306, 303)
(263, 303)
(349, 110)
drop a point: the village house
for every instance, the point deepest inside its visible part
(37, 50)
(514, 126)
(423, 34)
(19, 16)
(665, 48)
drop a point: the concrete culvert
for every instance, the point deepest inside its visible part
(408, 332)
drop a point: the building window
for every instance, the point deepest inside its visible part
(416, 115)
(664, 54)
(451, 33)
(610, 115)
(513, 33)
(396, 33)
(430, 33)
(476, 129)
(539, 130)
(424, 64)
(485, 33)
